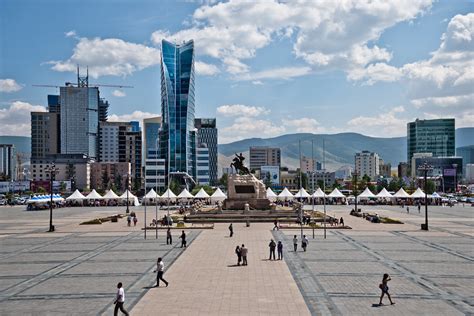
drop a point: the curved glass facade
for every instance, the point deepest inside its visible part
(177, 136)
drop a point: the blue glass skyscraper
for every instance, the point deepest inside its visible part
(177, 136)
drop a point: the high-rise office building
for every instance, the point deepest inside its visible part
(177, 137)
(202, 165)
(79, 120)
(431, 136)
(307, 164)
(207, 134)
(151, 128)
(7, 162)
(44, 134)
(264, 156)
(54, 105)
(367, 163)
(103, 110)
(119, 142)
(467, 154)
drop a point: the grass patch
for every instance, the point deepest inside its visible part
(388, 220)
(95, 221)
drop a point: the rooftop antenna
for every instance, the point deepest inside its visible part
(82, 82)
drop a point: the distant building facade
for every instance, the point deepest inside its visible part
(264, 156)
(315, 179)
(385, 169)
(469, 175)
(108, 175)
(155, 174)
(45, 138)
(467, 154)
(367, 163)
(447, 169)
(207, 135)
(402, 169)
(431, 136)
(7, 162)
(151, 128)
(307, 164)
(202, 165)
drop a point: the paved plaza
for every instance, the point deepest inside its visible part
(75, 269)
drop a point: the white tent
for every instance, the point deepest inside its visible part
(110, 195)
(302, 194)
(271, 195)
(201, 194)
(130, 196)
(384, 194)
(366, 194)
(185, 194)
(168, 195)
(435, 196)
(76, 196)
(418, 194)
(319, 193)
(401, 194)
(94, 196)
(285, 194)
(218, 195)
(336, 194)
(151, 195)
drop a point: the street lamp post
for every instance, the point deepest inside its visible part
(355, 189)
(128, 185)
(455, 166)
(52, 171)
(425, 168)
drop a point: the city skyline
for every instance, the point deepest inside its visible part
(295, 70)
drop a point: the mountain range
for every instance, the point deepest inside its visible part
(339, 148)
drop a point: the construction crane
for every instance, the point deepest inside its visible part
(83, 82)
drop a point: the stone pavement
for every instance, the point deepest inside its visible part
(206, 281)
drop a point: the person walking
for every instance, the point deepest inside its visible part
(275, 225)
(384, 287)
(160, 267)
(135, 220)
(419, 208)
(244, 251)
(231, 230)
(280, 250)
(295, 243)
(119, 300)
(238, 252)
(183, 239)
(129, 220)
(272, 246)
(341, 221)
(169, 237)
(408, 210)
(304, 242)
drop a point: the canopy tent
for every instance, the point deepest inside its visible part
(418, 194)
(45, 199)
(151, 195)
(94, 196)
(435, 196)
(285, 194)
(366, 194)
(201, 194)
(130, 195)
(168, 195)
(110, 195)
(319, 193)
(336, 194)
(302, 194)
(76, 196)
(271, 195)
(384, 194)
(185, 194)
(401, 194)
(218, 195)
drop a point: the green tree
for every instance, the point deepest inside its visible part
(208, 189)
(105, 180)
(41, 190)
(175, 187)
(223, 180)
(320, 184)
(430, 187)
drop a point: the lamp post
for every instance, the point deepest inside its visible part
(52, 171)
(455, 166)
(127, 211)
(355, 189)
(425, 168)
(156, 192)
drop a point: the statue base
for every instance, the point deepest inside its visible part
(239, 204)
(245, 189)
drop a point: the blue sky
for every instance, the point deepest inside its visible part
(264, 68)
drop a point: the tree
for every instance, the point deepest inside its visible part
(105, 180)
(320, 183)
(430, 187)
(41, 190)
(208, 189)
(175, 186)
(223, 180)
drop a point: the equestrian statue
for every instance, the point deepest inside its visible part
(238, 164)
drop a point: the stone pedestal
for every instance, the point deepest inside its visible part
(242, 189)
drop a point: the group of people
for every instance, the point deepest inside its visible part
(132, 217)
(241, 252)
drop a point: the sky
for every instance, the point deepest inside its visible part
(264, 68)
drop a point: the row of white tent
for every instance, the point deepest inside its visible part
(44, 199)
(366, 194)
(152, 195)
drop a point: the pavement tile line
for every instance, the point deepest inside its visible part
(144, 278)
(46, 275)
(428, 285)
(317, 299)
(435, 246)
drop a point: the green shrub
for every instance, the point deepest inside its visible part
(96, 221)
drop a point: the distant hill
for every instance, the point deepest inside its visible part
(22, 143)
(339, 148)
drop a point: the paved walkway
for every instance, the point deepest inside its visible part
(205, 280)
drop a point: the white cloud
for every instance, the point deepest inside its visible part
(9, 85)
(15, 120)
(284, 73)
(241, 110)
(303, 125)
(71, 33)
(375, 72)
(205, 69)
(118, 93)
(245, 127)
(335, 34)
(110, 56)
(387, 124)
(450, 102)
(135, 116)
